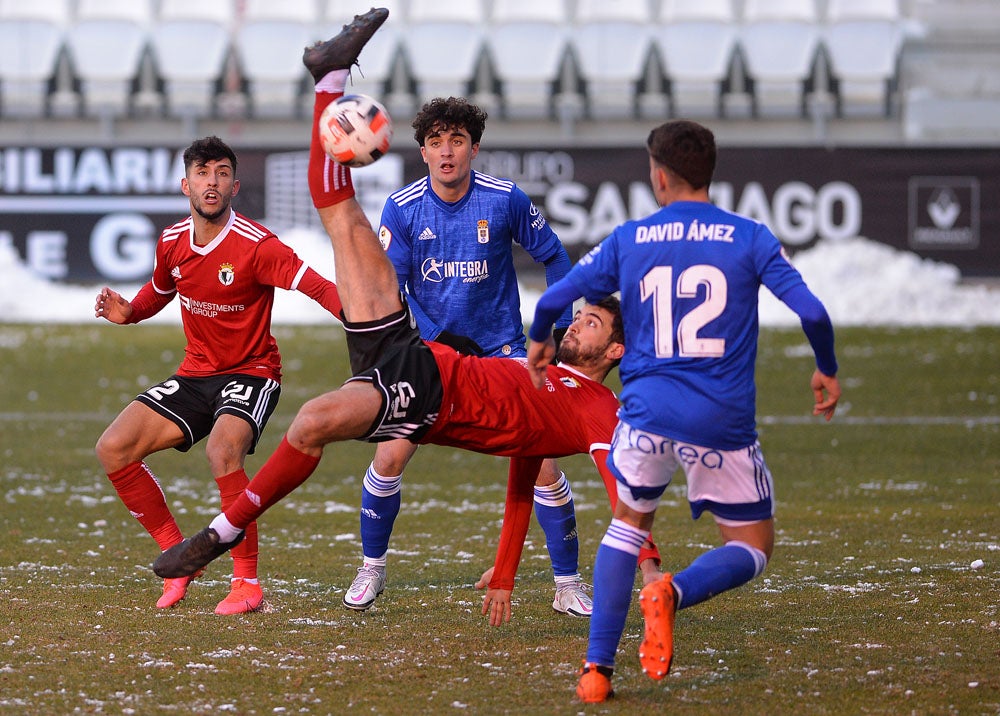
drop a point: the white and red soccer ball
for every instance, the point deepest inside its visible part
(355, 130)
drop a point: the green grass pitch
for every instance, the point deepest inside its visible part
(871, 603)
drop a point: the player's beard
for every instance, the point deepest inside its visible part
(223, 208)
(571, 352)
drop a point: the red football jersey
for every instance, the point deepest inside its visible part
(491, 406)
(226, 290)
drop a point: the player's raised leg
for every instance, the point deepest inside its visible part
(369, 293)
(365, 276)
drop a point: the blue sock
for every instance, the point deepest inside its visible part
(614, 576)
(380, 500)
(557, 517)
(716, 571)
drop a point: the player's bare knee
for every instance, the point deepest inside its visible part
(392, 457)
(111, 452)
(312, 424)
(223, 458)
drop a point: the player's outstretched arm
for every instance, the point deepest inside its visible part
(826, 391)
(498, 580)
(112, 306)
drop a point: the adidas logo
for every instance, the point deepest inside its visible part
(426, 235)
(176, 272)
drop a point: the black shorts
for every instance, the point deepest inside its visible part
(194, 404)
(390, 355)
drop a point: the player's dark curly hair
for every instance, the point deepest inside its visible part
(208, 149)
(441, 114)
(686, 148)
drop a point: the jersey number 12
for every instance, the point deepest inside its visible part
(658, 285)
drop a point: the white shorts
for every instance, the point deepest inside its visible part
(735, 486)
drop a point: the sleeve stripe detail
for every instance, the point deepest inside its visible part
(408, 193)
(493, 183)
(298, 277)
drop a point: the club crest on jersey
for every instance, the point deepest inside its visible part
(227, 274)
(483, 231)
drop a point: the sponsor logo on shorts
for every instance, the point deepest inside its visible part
(690, 455)
(402, 393)
(236, 392)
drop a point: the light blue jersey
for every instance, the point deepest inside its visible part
(689, 277)
(455, 260)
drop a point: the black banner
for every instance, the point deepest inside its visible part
(86, 214)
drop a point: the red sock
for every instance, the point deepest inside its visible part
(329, 183)
(244, 554)
(140, 492)
(286, 469)
(611, 485)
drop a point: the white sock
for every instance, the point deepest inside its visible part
(334, 82)
(567, 580)
(224, 528)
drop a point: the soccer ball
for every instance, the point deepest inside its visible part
(355, 130)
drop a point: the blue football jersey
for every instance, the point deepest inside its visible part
(455, 260)
(689, 277)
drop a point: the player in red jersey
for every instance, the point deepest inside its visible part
(224, 267)
(404, 387)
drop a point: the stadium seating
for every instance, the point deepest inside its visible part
(106, 42)
(527, 43)
(612, 39)
(32, 34)
(443, 43)
(190, 40)
(863, 39)
(697, 41)
(779, 41)
(270, 40)
(566, 61)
